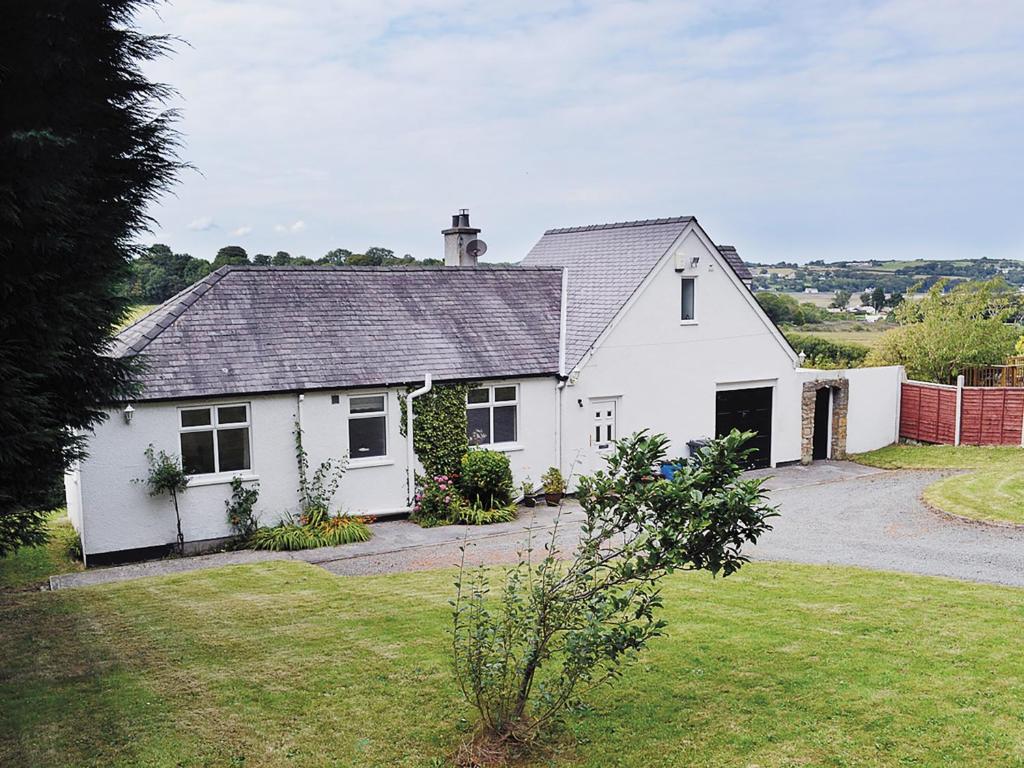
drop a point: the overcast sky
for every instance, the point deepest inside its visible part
(795, 131)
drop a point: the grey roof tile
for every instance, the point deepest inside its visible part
(733, 259)
(606, 263)
(244, 330)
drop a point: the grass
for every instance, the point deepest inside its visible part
(32, 566)
(283, 664)
(992, 491)
(867, 339)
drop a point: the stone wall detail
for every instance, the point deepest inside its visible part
(840, 405)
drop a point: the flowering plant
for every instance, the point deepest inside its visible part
(437, 500)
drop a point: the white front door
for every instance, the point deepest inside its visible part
(603, 431)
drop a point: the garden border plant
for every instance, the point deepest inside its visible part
(315, 526)
(166, 475)
(555, 630)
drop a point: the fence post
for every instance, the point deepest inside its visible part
(959, 406)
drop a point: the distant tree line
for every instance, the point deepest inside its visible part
(159, 273)
(891, 277)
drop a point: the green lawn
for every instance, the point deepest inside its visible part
(32, 566)
(992, 490)
(283, 664)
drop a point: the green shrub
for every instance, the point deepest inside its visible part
(437, 501)
(486, 479)
(240, 506)
(552, 481)
(440, 439)
(291, 534)
(474, 514)
(822, 353)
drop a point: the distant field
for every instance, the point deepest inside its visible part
(822, 299)
(868, 339)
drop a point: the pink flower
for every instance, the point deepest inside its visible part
(443, 487)
(447, 499)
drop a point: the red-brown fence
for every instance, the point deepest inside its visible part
(987, 416)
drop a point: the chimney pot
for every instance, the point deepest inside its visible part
(456, 239)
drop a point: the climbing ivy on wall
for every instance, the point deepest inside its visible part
(440, 439)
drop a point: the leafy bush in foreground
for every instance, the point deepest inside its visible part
(556, 630)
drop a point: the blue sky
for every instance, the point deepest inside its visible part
(891, 129)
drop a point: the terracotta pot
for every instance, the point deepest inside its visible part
(553, 499)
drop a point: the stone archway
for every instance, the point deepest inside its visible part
(840, 404)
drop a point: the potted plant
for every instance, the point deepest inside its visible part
(527, 488)
(554, 486)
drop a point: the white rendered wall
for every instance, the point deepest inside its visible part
(872, 419)
(665, 373)
(119, 514)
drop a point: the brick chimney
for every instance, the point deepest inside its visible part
(455, 240)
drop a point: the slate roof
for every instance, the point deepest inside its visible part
(248, 330)
(606, 263)
(733, 259)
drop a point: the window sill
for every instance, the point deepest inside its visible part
(224, 478)
(502, 447)
(688, 322)
(376, 461)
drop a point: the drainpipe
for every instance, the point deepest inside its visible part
(560, 389)
(410, 454)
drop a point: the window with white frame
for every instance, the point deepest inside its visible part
(492, 414)
(368, 426)
(215, 438)
(687, 313)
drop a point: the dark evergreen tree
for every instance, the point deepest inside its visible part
(230, 254)
(84, 148)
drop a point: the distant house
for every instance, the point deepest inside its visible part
(601, 331)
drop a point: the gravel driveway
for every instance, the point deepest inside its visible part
(832, 513)
(845, 514)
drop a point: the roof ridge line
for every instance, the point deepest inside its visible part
(482, 268)
(175, 310)
(620, 225)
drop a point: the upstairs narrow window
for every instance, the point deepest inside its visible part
(687, 313)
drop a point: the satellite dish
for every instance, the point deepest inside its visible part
(476, 248)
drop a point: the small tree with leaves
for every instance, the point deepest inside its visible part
(555, 631)
(166, 475)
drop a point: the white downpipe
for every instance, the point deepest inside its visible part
(410, 453)
(560, 389)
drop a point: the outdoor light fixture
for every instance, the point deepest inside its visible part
(128, 412)
(580, 401)
(694, 262)
(802, 356)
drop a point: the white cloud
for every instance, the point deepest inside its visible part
(241, 231)
(795, 130)
(294, 227)
(202, 224)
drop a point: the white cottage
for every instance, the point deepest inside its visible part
(601, 331)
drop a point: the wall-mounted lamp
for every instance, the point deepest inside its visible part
(801, 357)
(128, 412)
(694, 262)
(579, 402)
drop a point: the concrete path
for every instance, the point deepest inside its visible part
(831, 513)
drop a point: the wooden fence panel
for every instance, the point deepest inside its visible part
(988, 415)
(928, 412)
(992, 416)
